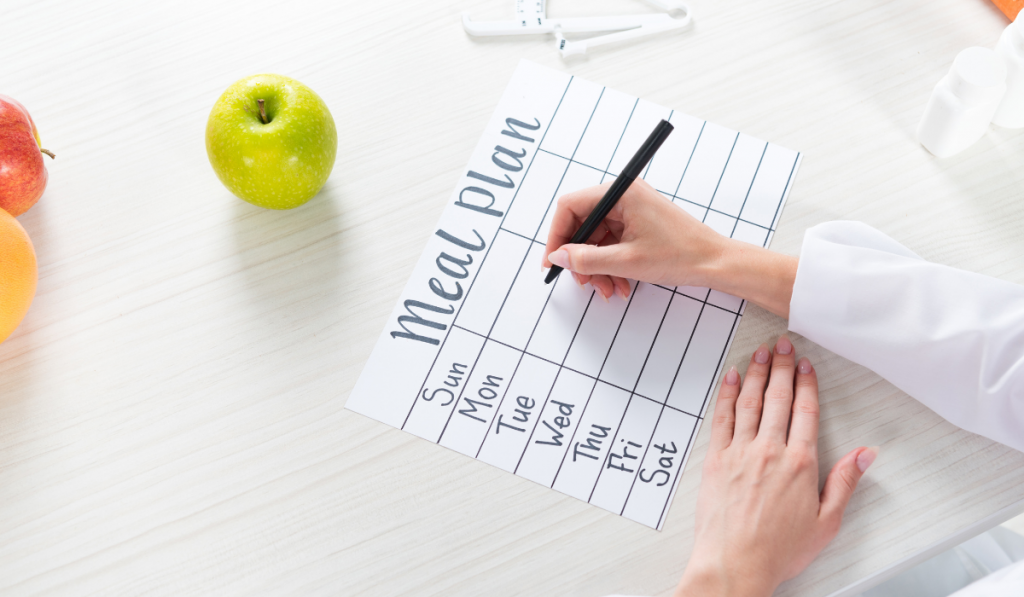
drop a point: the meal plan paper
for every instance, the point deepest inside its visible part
(598, 400)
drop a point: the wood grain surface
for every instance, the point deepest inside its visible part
(171, 409)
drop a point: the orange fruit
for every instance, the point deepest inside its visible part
(18, 274)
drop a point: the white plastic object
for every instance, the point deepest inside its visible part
(531, 19)
(963, 103)
(1011, 50)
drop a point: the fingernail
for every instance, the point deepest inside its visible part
(761, 356)
(732, 377)
(600, 293)
(784, 346)
(804, 366)
(866, 457)
(623, 292)
(560, 258)
(579, 280)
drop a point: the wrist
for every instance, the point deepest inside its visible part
(753, 273)
(709, 581)
(712, 267)
(701, 582)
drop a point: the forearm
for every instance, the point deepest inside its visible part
(758, 275)
(703, 581)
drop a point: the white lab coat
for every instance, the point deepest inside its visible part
(1008, 582)
(952, 339)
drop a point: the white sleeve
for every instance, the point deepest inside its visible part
(1008, 582)
(950, 338)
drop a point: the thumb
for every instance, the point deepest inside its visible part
(591, 259)
(840, 484)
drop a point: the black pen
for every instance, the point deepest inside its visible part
(632, 170)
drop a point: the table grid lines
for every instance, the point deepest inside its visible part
(619, 142)
(526, 256)
(705, 302)
(671, 196)
(674, 290)
(500, 340)
(732, 333)
(689, 158)
(591, 395)
(576, 371)
(739, 214)
(718, 185)
(778, 208)
(678, 472)
(561, 367)
(612, 343)
(522, 353)
(633, 393)
(662, 411)
(489, 247)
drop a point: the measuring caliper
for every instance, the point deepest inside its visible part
(531, 19)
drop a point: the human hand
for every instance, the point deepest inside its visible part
(644, 237)
(760, 518)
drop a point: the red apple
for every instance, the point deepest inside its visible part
(22, 172)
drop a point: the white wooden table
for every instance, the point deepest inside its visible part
(171, 409)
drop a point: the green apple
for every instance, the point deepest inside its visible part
(271, 140)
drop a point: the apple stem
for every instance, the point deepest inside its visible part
(48, 152)
(263, 111)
